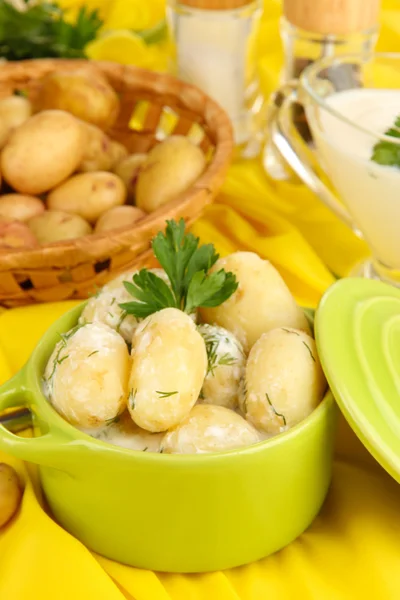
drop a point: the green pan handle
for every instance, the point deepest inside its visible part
(49, 449)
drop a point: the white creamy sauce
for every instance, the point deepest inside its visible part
(370, 191)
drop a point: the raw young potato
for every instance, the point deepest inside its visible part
(126, 434)
(97, 154)
(16, 235)
(86, 377)
(14, 110)
(170, 168)
(284, 381)
(20, 207)
(128, 170)
(88, 195)
(83, 92)
(55, 226)
(169, 363)
(42, 152)
(209, 428)
(226, 362)
(117, 217)
(117, 152)
(262, 301)
(10, 493)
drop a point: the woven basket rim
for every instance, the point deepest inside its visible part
(149, 81)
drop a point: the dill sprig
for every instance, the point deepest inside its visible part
(275, 411)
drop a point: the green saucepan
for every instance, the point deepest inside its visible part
(179, 513)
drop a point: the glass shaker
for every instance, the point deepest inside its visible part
(311, 30)
(214, 49)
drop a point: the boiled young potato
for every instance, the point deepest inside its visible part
(88, 195)
(83, 92)
(14, 110)
(284, 381)
(262, 301)
(117, 152)
(86, 377)
(20, 207)
(128, 170)
(42, 152)
(117, 217)
(125, 433)
(226, 362)
(169, 169)
(10, 493)
(169, 363)
(105, 308)
(16, 235)
(209, 428)
(56, 226)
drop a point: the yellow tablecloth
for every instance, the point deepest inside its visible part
(352, 549)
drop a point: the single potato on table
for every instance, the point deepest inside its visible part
(42, 152)
(262, 301)
(284, 381)
(169, 169)
(83, 92)
(209, 428)
(117, 217)
(15, 235)
(169, 363)
(128, 170)
(20, 207)
(88, 195)
(14, 110)
(10, 493)
(86, 377)
(56, 226)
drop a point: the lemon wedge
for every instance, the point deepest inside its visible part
(122, 46)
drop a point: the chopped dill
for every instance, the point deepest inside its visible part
(309, 349)
(166, 394)
(122, 318)
(275, 411)
(94, 352)
(113, 420)
(131, 398)
(145, 449)
(292, 332)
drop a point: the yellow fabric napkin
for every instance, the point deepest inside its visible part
(351, 550)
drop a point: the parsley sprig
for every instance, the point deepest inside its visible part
(187, 266)
(385, 153)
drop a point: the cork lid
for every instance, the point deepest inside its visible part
(336, 17)
(216, 4)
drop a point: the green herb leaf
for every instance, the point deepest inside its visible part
(131, 398)
(165, 394)
(186, 266)
(309, 349)
(113, 420)
(275, 411)
(386, 153)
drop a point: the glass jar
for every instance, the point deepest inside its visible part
(214, 49)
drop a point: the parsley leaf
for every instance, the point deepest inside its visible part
(385, 153)
(186, 265)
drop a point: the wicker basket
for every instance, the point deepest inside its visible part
(155, 106)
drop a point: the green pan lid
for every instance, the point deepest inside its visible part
(357, 330)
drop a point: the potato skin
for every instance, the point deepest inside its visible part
(284, 381)
(117, 152)
(128, 170)
(170, 169)
(262, 301)
(42, 152)
(16, 235)
(56, 226)
(209, 428)
(117, 217)
(97, 151)
(86, 377)
(10, 493)
(88, 195)
(82, 92)
(226, 362)
(169, 363)
(20, 207)
(14, 110)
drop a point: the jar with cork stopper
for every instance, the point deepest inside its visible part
(214, 50)
(311, 31)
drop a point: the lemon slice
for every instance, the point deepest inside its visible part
(122, 46)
